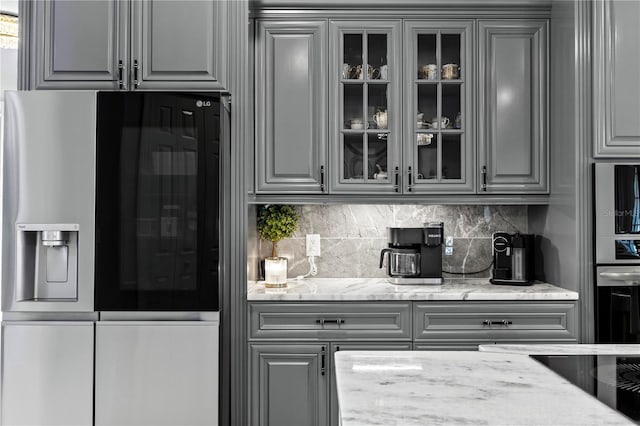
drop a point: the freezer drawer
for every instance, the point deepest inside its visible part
(156, 373)
(47, 373)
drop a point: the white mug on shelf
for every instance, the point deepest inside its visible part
(440, 124)
(380, 119)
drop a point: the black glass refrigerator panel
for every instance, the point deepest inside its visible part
(627, 199)
(157, 201)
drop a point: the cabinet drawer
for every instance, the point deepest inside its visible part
(493, 322)
(335, 321)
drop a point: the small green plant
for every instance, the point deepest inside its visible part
(276, 222)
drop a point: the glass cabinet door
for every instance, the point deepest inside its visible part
(438, 150)
(365, 145)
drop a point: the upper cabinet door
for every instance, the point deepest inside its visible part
(616, 94)
(291, 96)
(365, 129)
(178, 45)
(513, 106)
(438, 107)
(79, 44)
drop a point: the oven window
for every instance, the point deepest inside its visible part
(627, 249)
(627, 199)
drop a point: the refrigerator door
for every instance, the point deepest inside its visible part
(47, 373)
(158, 177)
(156, 373)
(48, 191)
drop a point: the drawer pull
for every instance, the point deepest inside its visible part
(499, 322)
(330, 321)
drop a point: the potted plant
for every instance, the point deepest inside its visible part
(276, 222)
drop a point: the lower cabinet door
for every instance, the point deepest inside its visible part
(47, 373)
(335, 409)
(289, 385)
(157, 373)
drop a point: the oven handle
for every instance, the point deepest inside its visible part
(630, 278)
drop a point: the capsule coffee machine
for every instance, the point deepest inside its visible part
(513, 261)
(415, 254)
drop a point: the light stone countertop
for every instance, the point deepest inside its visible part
(354, 289)
(564, 349)
(460, 388)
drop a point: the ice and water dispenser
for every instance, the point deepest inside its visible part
(47, 262)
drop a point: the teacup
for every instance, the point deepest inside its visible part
(380, 118)
(357, 124)
(352, 72)
(439, 124)
(429, 72)
(373, 73)
(450, 72)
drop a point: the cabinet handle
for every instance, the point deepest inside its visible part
(322, 178)
(136, 82)
(120, 71)
(396, 174)
(330, 321)
(484, 178)
(499, 322)
(410, 179)
(323, 353)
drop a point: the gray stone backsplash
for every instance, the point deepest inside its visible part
(352, 236)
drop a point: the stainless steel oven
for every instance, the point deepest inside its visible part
(617, 252)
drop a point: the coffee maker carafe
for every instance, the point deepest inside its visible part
(414, 254)
(513, 262)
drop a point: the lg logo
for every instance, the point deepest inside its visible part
(201, 104)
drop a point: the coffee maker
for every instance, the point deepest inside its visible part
(513, 261)
(414, 254)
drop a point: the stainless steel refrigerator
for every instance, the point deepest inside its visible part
(111, 257)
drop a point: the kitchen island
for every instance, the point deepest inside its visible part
(419, 388)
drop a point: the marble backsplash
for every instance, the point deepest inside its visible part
(353, 235)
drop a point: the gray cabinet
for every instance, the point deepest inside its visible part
(439, 143)
(78, 44)
(291, 121)
(512, 93)
(292, 344)
(616, 67)
(178, 44)
(123, 44)
(320, 321)
(289, 385)
(365, 129)
(461, 324)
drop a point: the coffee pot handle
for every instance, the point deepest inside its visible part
(382, 253)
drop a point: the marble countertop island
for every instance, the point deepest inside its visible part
(352, 289)
(460, 388)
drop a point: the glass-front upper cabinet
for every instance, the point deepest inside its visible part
(438, 123)
(366, 120)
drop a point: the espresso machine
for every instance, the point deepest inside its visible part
(513, 260)
(414, 254)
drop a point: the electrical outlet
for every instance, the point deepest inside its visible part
(313, 245)
(448, 251)
(448, 241)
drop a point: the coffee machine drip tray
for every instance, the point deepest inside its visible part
(415, 281)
